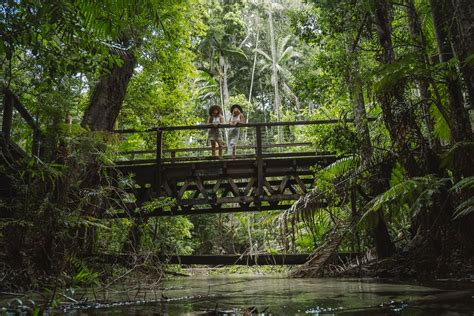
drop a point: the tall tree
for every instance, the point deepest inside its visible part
(399, 116)
(458, 118)
(462, 27)
(134, 24)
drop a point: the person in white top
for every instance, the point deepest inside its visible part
(215, 134)
(237, 117)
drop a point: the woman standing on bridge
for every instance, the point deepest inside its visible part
(215, 134)
(237, 117)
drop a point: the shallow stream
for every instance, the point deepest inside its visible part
(279, 295)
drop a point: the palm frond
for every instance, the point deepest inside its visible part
(261, 52)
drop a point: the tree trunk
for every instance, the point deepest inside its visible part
(383, 243)
(463, 41)
(253, 67)
(108, 96)
(276, 101)
(458, 116)
(423, 83)
(223, 70)
(398, 116)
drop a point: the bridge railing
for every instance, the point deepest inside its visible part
(191, 143)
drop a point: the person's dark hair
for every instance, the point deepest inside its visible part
(215, 107)
(236, 106)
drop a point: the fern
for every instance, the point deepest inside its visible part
(339, 168)
(415, 192)
(467, 206)
(459, 149)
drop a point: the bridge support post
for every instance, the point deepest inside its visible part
(260, 178)
(159, 158)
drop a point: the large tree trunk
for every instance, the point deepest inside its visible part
(458, 116)
(383, 243)
(463, 41)
(108, 96)
(398, 115)
(423, 83)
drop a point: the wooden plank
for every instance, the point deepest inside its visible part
(302, 159)
(200, 149)
(269, 187)
(167, 188)
(249, 186)
(283, 184)
(209, 210)
(159, 157)
(263, 259)
(234, 188)
(183, 189)
(301, 184)
(216, 186)
(226, 259)
(238, 199)
(259, 162)
(201, 187)
(262, 124)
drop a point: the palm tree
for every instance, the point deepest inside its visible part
(278, 61)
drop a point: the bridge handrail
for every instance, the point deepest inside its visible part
(253, 124)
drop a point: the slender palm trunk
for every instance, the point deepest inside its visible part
(224, 66)
(276, 100)
(252, 77)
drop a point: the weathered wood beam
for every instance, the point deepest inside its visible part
(261, 124)
(261, 259)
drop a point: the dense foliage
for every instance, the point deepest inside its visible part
(84, 68)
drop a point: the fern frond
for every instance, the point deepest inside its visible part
(459, 149)
(339, 168)
(466, 183)
(414, 192)
(465, 208)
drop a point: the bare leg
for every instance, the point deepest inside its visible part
(213, 148)
(221, 146)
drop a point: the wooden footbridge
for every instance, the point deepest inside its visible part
(266, 174)
(272, 169)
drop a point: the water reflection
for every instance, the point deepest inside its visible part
(278, 295)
